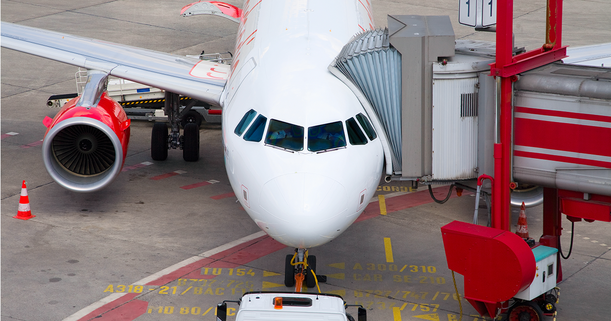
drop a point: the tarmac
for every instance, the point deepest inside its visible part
(168, 240)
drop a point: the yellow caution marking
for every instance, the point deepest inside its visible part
(269, 285)
(430, 317)
(339, 276)
(382, 202)
(341, 293)
(340, 266)
(269, 273)
(396, 313)
(403, 306)
(388, 249)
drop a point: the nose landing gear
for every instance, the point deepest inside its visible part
(301, 267)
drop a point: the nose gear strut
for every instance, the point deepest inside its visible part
(301, 267)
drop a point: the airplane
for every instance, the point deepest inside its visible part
(301, 153)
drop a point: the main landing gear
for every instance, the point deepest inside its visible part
(190, 120)
(301, 267)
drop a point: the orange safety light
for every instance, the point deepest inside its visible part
(278, 303)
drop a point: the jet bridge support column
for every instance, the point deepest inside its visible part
(421, 40)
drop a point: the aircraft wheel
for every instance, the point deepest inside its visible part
(289, 272)
(159, 142)
(191, 117)
(310, 279)
(190, 148)
(525, 311)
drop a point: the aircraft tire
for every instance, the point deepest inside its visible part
(191, 117)
(190, 148)
(159, 142)
(289, 272)
(310, 279)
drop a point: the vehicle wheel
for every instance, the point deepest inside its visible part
(159, 142)
(310, 279)
(191, 117)
(289, 272)
(190, 147)
(525, 311)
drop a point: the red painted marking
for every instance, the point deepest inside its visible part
(101, 312)
(220, 197)
(565, 114)
(209, 74)
(196, 185)
(5, 136)
(563, 137)
(564, 159)
(128, 311)
(229, 258)
(406, 201)
(215, 111)
(38, 143)
(162, 176)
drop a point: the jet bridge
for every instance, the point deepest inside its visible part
(434, 103)
(421, 86)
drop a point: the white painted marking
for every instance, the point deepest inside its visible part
(180, 172)
(146, 163)
(586, 238)
(12, 133)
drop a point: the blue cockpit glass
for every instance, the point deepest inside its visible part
(366, 126)
(355, 134)
(243, 124)
(327, 136)
(284, 135)
(255, 132)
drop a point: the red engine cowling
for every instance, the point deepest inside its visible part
(84, 147)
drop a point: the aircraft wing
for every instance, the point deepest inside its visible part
(202, 80)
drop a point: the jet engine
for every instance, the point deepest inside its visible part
(85, 144)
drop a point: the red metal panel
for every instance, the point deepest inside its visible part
(563, 136)
(589, 210)
(496, 264)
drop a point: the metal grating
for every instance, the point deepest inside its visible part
(468, 105)
(374, 67)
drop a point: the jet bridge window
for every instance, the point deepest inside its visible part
(366, 126)
(255, 132)
(246, 120)
(355, 134)
(284, 135)
(327, 136)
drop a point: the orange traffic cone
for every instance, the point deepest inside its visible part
(522, 230)
(23, 212)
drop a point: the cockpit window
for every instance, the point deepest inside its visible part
(284, 135)
(355, 134)
(327, 136)
(243, 124)
(255, 132)
(366, 126)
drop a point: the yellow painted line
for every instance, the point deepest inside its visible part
(340, 266)
(269, 285)
(339, 276)
(269, 273)
(382, 202)
(396, 313)
(429, 317)
(403, 306)
(388, 249)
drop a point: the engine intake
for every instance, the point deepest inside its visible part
(84, 148)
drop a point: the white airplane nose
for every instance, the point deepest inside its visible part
(311, 213)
